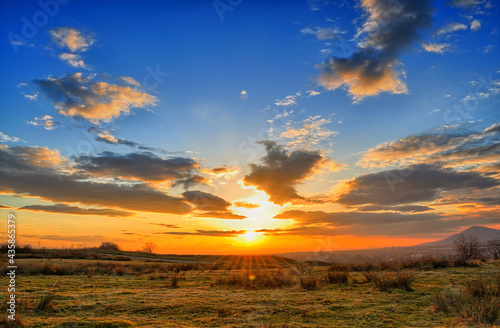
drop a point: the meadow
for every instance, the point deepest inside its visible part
(254, 291)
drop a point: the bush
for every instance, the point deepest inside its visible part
(389, 280)
(477, 302)
(109, 246)
(308, 283)
(337, 275)
(445, 301)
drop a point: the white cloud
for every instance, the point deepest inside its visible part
(71, 38)
(438, 48)
(322, 33)
(450, 28)
(475, 25)
(312, 93)
(288, 101)
(74, 60)
(31, 97)
(5, 138)
(47, 122)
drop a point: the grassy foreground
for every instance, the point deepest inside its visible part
(163, 296)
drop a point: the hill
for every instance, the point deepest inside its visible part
(482, 233)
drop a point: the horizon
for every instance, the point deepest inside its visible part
(249, 128)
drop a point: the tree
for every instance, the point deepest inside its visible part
(149, 247)
(468, 247)
(493, 247)
(109, 246)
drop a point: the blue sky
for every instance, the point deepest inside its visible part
(337, 94)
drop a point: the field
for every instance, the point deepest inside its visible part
(255, 292)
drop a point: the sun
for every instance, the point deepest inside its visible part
(250, 235)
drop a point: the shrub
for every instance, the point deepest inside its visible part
(308, 283)
(369, 276)
(389, 280)
(45, 302)
(445, 301)
(174, 281)
(337, 275)
(477, 302)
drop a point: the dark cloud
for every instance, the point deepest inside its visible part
(399, 208)
(191, 181)
(21, 173)
(212, 233)
(374, 224)
(211, 205)
(138, 166)
(391, 27)
(281, 171)
(78, 238)
(417, 183)
(68, 209)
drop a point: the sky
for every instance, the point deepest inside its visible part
(246, 127)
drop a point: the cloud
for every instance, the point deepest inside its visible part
(78, 238)
(306, 134)
(416, 183)
(5, 138)
(464, 3)
(212, 233)
(192, 181)
(312, 93)
(289, 100)
(78, 96)
(438, 48)
(71, 38)
(322, 33)
(74, 60)
(372, 224)
(211, 205)
(33, 97)
(46, 121)
(475, 25)
(170, 226)
(453, 146)
(374, 68)
(281, 171)
(245, 205)
(138, 166)
(450, 28)
(35, 172)
(398, 208)
(222, 171)
(107, 137)
(68, 209)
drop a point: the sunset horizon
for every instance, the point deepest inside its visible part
(246, 127)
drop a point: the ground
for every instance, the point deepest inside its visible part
(148, 299)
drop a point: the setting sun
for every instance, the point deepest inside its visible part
(250, 235)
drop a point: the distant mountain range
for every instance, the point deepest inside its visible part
(482, 233)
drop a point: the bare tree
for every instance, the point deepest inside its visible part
(468, 247)
(149, 247)
(493, 247)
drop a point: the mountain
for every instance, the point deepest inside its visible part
(482, 233)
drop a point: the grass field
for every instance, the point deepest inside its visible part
(141, 293)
